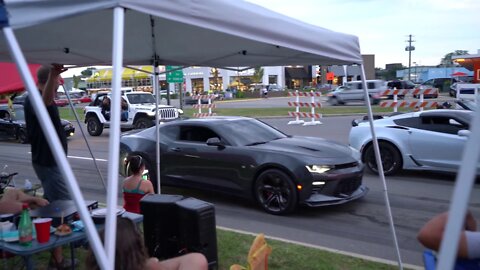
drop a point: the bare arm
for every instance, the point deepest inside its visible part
(430, 235)
(50, 89)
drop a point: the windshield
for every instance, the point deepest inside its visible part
(140, 98)
(250, 132)
(18, 115)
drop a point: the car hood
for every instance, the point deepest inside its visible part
(308, 146)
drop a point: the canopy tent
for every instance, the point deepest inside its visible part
(211, 33)
(10, 81)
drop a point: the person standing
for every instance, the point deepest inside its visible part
(43, 161)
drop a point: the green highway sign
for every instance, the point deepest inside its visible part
(174, 76)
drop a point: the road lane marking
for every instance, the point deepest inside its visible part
(84, 158)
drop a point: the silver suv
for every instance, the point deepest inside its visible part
(353, 91)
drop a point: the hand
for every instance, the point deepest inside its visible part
(57, 69)
(40, 202)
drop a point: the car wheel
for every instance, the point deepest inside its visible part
(275, 192)
(94, 127)
(391, 158)
(22, 135)
(333, 101)
(143, 123)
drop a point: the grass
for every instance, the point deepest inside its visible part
(233, 248)
(66, 113)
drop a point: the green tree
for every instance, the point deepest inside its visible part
(258, 75)
(87, 72)
(76, 81)
(447, 59)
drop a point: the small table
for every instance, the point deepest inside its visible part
(55, 241)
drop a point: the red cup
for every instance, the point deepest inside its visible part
(42, 226)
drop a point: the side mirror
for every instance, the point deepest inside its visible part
(215, 141)
(464, 133)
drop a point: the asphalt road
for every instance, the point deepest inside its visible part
(360, 226)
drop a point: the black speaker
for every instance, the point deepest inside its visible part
(174, 225)
(197, 228)
(160, 228)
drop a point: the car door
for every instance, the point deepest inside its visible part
(7, 125)
(436, 142)
(189, 161)
(353, 92)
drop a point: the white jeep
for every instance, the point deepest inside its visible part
(141, 112)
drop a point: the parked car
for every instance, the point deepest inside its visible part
(12, 123)
(20, 99)
(353, 91)
(246, 157)
(399, 84)
(438, 83)
(428, 140)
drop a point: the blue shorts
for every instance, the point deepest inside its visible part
(54, 186)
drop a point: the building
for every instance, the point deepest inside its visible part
(471, 63)
(423, 73)
(203, 79)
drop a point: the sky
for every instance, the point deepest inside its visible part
(382, 26)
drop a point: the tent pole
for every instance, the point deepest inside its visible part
(380, 167)
(157, 124)
(84, 137)
(461, 196)
(156, 89)
(55, 145)
(114, 142)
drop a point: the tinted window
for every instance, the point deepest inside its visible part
(441, 124)
(140, 98)
(249, 131)
(196, 134)
(371, 85)
(171, 132)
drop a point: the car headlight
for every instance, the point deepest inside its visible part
(180, 111)
(319, 168)
(355, 153)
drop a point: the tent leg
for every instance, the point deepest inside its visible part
(55, 145)
(380, 168)
(113, 156)
(157, 119)
(461, 196)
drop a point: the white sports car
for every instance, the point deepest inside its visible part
(428, 140)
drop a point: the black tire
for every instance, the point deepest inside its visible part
(275, 192)
(391, 158)
(22, 136)
(143, 122)
(333, 101)
(94, 127)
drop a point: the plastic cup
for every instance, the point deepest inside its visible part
(42, 226)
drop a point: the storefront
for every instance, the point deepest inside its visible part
(470, 62)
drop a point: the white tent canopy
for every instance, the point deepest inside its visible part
(208, 33)
(212, 33)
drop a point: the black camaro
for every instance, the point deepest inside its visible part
(248, 158)
(12, 123)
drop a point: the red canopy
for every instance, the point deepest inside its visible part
(10, 80)
(458, 74)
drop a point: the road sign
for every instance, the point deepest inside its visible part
(174, 76)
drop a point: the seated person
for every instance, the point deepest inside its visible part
(124, 116)
(430, 235)
(130, 253)
(13, 199)
(106, 108)
(134, 186)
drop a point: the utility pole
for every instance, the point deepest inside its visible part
(409, 49)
